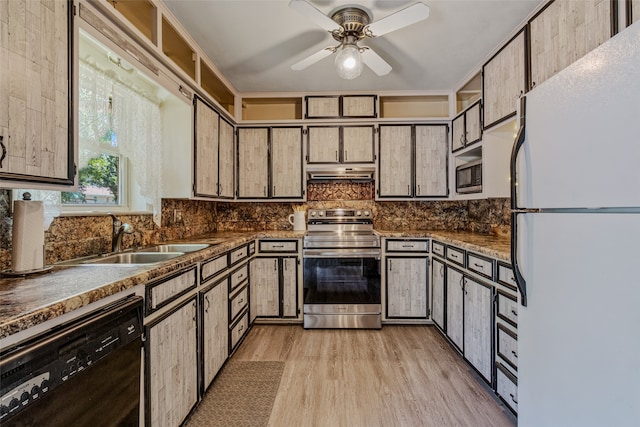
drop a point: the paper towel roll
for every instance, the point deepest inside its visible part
(28, 236)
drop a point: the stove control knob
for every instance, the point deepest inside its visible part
(367, 213)
(313, 213)
(358, 213)
(321, 213)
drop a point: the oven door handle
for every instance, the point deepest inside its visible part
(341, 253)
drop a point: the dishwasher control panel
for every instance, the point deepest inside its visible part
(31, 371)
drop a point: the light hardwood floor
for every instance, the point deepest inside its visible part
(397, 376)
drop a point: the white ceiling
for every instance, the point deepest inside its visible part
(255, 42)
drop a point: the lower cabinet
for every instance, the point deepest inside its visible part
(407, 287)
(478, 324)
(238, 305)
(274, 287)
(172, 366)
(454, 307)
(215, 330)
(438, 293)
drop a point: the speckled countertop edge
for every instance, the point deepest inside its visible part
(26, 302)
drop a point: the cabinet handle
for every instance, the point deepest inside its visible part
(336, 155)
(4, 150)
(462, 283)
(419, 192)
(442, 270)
(206, 298)
(390, 265)
(462, 139)
(284, 264)
(275, 265)
(408, 190)
(346, 155)
(219, 188)
(264, 190)
(513, 398)
(514, 354)
(481, 267)
(274, 190)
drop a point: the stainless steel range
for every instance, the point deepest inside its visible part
(341, 256)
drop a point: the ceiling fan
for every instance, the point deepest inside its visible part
(350, 24)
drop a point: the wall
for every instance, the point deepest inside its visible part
(75, 236)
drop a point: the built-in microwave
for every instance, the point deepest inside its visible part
(469, 177)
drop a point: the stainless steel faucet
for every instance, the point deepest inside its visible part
(119, 228)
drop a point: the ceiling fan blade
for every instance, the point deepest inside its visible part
(402, 18)
(308, 10)
(310, 60)
(375, 62)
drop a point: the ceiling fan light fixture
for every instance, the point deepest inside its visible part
(349, 61)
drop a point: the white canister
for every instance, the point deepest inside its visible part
(297, 220)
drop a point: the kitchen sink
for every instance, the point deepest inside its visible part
(127, 258)
(177, 247)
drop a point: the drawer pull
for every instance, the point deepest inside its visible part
(407, 246)
(278, 246)
(514, 354)
(513, 398)
(240, 328)
(241, 276)
(515, 313)
(480, 266)
(240, 301)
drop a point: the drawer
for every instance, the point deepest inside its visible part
(438, 248)
(481, 265)
(505, 276)
(508, 346)
(278, 246)
(407, 245)
(238, 254)
(238, 276)
(167, 289)
(252, 248)
(238, 330)
(507, 387)
(213, 267)
(455, 255)
(507, 308)
(237, 303)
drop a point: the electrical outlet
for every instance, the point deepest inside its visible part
(177, 216)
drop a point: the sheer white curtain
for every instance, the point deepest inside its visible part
(133, 117)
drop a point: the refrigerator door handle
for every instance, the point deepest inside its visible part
(517, 274)
(519, 142)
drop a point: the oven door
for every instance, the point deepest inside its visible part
(342, 288)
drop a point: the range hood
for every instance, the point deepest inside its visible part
(323, 173)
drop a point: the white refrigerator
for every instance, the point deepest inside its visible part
(576, 242)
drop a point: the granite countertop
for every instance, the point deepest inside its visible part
(26, 302)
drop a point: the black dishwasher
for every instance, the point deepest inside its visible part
(82, 373)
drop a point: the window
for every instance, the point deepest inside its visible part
(119, 140)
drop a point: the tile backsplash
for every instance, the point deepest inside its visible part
(75, 235)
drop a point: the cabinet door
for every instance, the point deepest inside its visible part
(504, 81)
(454, 306)
(253, 163)
(407, 287)
(564, 32)
(225, 162)
(472, 127)
(437, 293)
(457, 133)
(290, 287)
(324, 144)
(478, 324)
(286, 162)
(357, 144)
(431, 161)
(215, 330)
(206, 149)
(394, 172)
(172, 367)
(35, 143)
(265, 287)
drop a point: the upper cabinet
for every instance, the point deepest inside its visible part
(504, 81)
(213, 148)
(36, 116)
(431, 148)
(346, 106)
(341, 144)
(270, 163)
(467, 128)
(566, 30)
